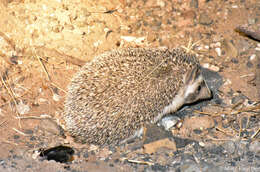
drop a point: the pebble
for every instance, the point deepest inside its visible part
(230, 147)
(242, 147)
(234, 60)
(252, 57)
(56, 97)
(22, 108)
(252, 21)
(169, 121)
(249, 64)
(211, 67)
(218, 51)
(255, 146)
(257, 48)
(204, 19)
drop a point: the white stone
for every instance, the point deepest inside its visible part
(252, 57)
(218, 51)
(56, 97)
(22, 108)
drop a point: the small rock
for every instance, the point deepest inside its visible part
(234, 60)
(243, 45)
(104, 153)
(56, 97)
(252, 57)
(255, 146)
(202, 144)
(251, 21)
(50, 126)
(211, 67)
(198, 122)
(242, 147)
(138, 41)
(218, 51)
(230, 147)
(218, 44)
(249, 64)
(154, 146)
(257, 48)
(190, 167)
(229, 48)
(169, 121)
(23, 108)
(204, 19)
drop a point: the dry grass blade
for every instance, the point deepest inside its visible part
(206, 113)
(190, 46)
(8, 40)
(44, 68)
(11, 93)
(22, 133)
(255, 134)
(137, 161)
(59, 87)
(223, 131)
(64, 57)
(35, 117)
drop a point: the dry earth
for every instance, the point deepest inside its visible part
(44, 42)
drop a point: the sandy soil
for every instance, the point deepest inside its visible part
(43, 43)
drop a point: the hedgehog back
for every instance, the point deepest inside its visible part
(119, 91)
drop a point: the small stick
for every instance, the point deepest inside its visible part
(237, 104)
(256, 133)
(44, 68)
(34, 117)
(19, 132)
(249, 33)
(55, 53)
(138, 162)
(224, 132)
(8, 40)
(58, 87)
(11, 93)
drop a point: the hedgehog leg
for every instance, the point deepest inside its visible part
(138, 134)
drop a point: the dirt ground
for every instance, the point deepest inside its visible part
(44, 42)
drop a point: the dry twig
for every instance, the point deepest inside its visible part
(22, 133)
(44, 68)
(137, 161)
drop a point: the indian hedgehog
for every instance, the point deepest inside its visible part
(119, 91)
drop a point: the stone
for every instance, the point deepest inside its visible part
(204, 19)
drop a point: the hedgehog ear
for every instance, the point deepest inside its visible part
(191, 75)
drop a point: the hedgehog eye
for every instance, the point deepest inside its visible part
(199, 88)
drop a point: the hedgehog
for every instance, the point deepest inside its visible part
(116, 94)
